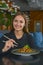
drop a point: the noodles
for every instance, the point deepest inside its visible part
(26, 49)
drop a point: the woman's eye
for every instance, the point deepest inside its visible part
(21, 21)
(16, 20)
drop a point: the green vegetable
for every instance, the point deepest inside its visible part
(27, 46)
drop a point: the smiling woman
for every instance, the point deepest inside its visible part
(18, 34)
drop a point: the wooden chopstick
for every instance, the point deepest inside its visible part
(9, 38)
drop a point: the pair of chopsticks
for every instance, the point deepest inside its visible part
(8, 39)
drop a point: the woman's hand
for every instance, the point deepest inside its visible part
(8, 45)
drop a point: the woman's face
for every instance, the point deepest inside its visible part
(18, 23)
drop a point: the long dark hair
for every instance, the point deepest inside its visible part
(25, 29)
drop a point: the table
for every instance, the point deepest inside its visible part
(14, 60)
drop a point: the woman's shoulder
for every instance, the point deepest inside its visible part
(29, 35)
(9, 33)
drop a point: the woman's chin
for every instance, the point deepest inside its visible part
(18, 30)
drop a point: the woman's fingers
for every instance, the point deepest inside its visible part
(13, 41)
(13, 45)
(6, 48)
(9, 44)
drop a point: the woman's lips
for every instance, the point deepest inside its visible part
(18, 26)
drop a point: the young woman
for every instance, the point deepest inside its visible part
(18, 34)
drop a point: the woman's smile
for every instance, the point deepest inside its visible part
(18, 26)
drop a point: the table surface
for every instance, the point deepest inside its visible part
(17, 60)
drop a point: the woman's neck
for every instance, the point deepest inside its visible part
(18, 34)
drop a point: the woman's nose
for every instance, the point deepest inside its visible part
(18, 22)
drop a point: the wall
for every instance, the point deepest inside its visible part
(35, 15)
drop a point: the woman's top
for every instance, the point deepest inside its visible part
(26, 39)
